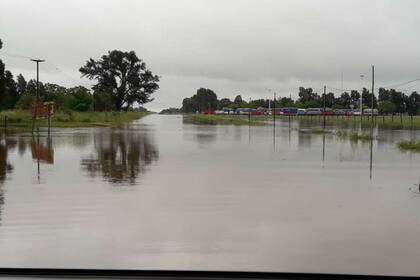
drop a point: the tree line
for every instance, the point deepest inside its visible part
(122, 81)
(388, 101)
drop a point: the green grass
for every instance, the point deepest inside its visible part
(222, 119)
(320, 131)
(410, 146)
(354, 136)
(388, 122)
(23, 119)
(346, 122)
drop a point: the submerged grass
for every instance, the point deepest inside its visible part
(353, 136)
(410, 146)
(316, 130)
(23, 119)
(388, 122)
(223, 119)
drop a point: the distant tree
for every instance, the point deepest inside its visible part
(123, 75)
(224, 102)
(79, 99)
(413, 103)
(206, 99)
(307, 94)
(170, 111)
(285, 102)
(367, 99)
(25, 101)
(344, 100)
(311, 104)
(31, 89)
(397, 98)
(386, 107)
(189, 105)
(383, 95)
(257, 103)
(238, 99)
(55, 93)
(329, 100)
(355, 98)
(21, 84)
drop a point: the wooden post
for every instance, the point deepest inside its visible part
(5, 123)
(49, 123)
(325, 89)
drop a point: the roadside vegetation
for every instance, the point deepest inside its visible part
(68, 118)
(410, 146)
(221, 119)
(354, 136)
(111, 101)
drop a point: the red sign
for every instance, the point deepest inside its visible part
(44, 110)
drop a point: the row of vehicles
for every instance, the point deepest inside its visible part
(297, 111)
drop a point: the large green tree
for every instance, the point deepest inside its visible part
(8, 91)
(124, 76)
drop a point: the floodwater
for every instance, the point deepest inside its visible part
(163, 193)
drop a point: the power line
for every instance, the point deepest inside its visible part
(48, 62)
(401, 84)
(15, 55)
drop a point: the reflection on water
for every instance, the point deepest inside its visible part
(42, 152)
(5, 167)
(218, 197)
(120, 156)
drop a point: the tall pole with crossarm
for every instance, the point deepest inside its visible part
(37, 88)
(37, 77)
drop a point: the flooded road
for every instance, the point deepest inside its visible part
(162, 193)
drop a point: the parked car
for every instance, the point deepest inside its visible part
(327, 112)
(289, 111)
(301, 112)
(348, 112)
(313, 111)
(340, 112)
(369, 112)
(356, 112)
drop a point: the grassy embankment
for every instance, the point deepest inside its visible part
(347, 123)
(396, 122)
(387, 122)
(23, 119)
(223, 119)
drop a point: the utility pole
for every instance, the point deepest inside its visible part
(37, 77)
(325, 92)
(274, 109)
(361, 100)
(373, 88)
(37, 90)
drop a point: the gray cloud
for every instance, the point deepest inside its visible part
(232, 47)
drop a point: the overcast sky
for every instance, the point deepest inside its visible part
(233, 47)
